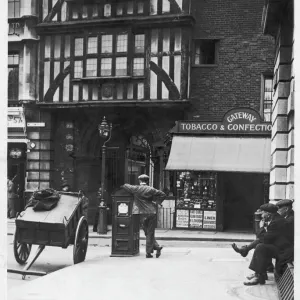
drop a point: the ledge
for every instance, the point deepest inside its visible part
(113, 103)
(138, 21)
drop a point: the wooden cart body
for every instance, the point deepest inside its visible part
(56, 227)
(65, 224)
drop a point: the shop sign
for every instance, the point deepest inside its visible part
(15, 121)
(123, 209)
(235, 121)
(209, 220)
(16, 28)
(196, 218)
(36, 124)
(182, 218)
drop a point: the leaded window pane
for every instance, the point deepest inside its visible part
(121, 66)
(91, 67)
(138, 67)
(106, 43)
(122, 42)
(78, 69)
(139, 43)
(92, 45)
(79, 47)
(106, 66)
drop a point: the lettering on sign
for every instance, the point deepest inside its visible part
(237, 121)
(182, 218)
(15, 121)
(209, 219)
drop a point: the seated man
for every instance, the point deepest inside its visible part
(285, 209)
(271, 243)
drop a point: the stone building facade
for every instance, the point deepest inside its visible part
(278, 22)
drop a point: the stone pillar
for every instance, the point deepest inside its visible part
(282, 142)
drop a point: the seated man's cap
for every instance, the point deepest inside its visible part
(268, 207)
(64, 183)
(284, 202)
(143, 177)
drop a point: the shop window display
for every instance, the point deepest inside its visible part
(196, 199)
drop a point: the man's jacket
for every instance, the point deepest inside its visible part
(145, 198)
(275, 233)
(290, 226)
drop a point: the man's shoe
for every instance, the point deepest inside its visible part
(148, 255)
(257, 279)
(243, 250)
(251, 276)
(158, 252)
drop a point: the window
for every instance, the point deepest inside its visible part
(130, 8)
(95, 10)
(13, 77)
(79, 47)
(78, 69)
(122, 43)
(107, 10)
(140, 7)
(205, 52)
(91, 67)
(139, 43)
(267, 98)
(13, 8)
(106, 43)
(106, 66)
(138, 66)
(121, 66)
(119, 9)
(84, 12)
(92, 45)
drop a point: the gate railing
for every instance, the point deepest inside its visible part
(165, 217)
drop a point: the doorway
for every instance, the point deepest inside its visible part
(243, 193)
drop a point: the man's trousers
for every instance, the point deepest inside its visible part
(262, 257)
(148, 223)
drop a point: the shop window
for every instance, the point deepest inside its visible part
(121, 66)
(196, 199)
(139, 43)
(106, 43)
(119, 91)
(122, 42)
(107, 10)
(130, 91)
(79, 47)
(205, 52)
(91, 67)
(138, 66)
(267, 98)
(92, 45)
(140, 7)
(106, 66)
(130, 8)
(13, 76)
(13, 8)
(78, 69)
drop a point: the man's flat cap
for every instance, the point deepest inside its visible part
(284, 202)
(268, 207)
(64, 183)
(143, 177)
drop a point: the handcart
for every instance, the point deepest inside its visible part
(62, 226)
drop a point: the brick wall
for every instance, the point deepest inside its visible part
(244, 54)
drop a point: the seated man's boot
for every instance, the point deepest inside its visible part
(243, 250)
(265, 275)
(257, 279)
(148, 255)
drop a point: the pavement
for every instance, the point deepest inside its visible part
(182, 272)
(170, 234)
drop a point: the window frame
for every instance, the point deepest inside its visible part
(264, 77)
(216, 56)
(15, 85)
(14, 9)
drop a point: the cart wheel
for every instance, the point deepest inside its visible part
(21, 251)
(81, 241)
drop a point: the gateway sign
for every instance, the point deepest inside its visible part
(236, 121)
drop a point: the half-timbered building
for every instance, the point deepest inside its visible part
(125, 60)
